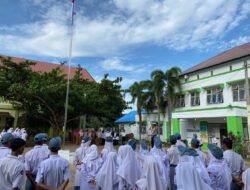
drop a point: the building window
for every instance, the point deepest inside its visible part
(239, 92)
(215, 96)
(198, 76)
(195, 98)
(231, 67)
(212, 73)
(180, 101)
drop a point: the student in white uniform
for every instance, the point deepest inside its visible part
(89, 168)
(151, 176)
(6, 143)
(144, 148)
(108, 147)
(191, 156)
(11, 168)
(128, 171)
(235, 163)
(246, 179)
(188, 178)
(54, 171)
(173, 155)
(45, 143)
(195, 144)
(160, 154)
(106, 178)
(33, 158)
(179, 142)
(218, 170)
(80, 154)
(132, 143)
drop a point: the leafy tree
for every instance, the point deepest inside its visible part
(42, 95)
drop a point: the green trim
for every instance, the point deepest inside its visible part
(209, 109)
(221, 85)
(176, 125)
(235, 125)
(219, 74)
(194, 90)
(236, 81)
(204, 147)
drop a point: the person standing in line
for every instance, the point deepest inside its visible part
(132, 143)
(153, 133)
(45, 143)
(108, 147)
(6, 143)
(128, 171)
(235, 163)
(106, 178)
(80, 154)
(195, 144)
(179, 142)
(54, 171)
(218, 171)
(11, 168)
(116, 138)
(33, 158)
(123, 133)
(173, 155)
(151, 176)
(160, 154)
(90, 165)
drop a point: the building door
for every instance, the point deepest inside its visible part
(223, 134)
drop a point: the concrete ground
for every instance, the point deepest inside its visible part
(72, 148)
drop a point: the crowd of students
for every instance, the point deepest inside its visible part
(133, 167)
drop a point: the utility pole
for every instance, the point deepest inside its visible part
(247, 96)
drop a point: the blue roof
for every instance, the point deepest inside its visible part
(128, 118)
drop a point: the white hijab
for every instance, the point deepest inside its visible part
(188, 178)
(151, 175)
(246, 179)
(225, 171)
(128, 169)
(108, 147)
(92, 155)
(107, 178)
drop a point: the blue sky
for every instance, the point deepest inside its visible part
(125, 38)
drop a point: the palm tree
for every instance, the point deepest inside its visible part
(158, 87)
(139, 95)
(173, 83)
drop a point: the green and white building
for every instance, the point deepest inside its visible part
(213, 100)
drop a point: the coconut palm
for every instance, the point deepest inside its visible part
(140, 95)
(165, 85)
(173, 84)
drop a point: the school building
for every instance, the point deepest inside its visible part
(14, 117)
(213, 99)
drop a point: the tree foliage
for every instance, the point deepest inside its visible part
(42, 95)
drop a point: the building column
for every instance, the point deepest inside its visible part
(168, 131)
(176, 125)
(235, 125)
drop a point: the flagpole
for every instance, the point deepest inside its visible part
(68, 76)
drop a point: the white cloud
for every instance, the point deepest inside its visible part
(115, 64)
(176, 24)
(233, 42)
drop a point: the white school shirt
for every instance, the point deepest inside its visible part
(34, 157)
(4, 152)
(53, 171)
(234, 161)
(173, 155)
(11, 173)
